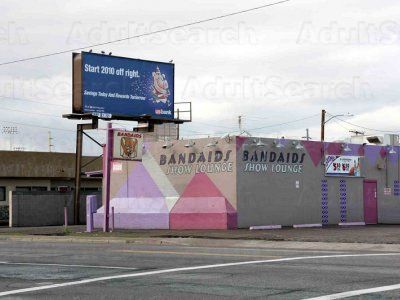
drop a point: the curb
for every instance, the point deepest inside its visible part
(265, 227)
(307, 225)
(352, 224)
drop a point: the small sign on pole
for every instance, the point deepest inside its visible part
(128, 145)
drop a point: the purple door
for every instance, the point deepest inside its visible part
(370, 202)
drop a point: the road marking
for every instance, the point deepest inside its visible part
(194, 253)
(270, 249)
(357, 292)
(64, 265)
(157, 272)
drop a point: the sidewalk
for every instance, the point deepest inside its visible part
(372, 234)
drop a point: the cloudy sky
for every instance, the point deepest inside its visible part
(279, 64)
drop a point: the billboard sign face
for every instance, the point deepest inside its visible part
(340, 165)
(128, 145)
(112, 87)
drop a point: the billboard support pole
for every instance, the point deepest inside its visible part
(177, 133)
(107, 177)
(78, 165)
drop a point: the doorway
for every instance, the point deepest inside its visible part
(370, 202)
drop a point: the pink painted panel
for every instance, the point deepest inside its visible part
(203, 213)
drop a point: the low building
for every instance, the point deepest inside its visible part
(239, 182)
(41, 171)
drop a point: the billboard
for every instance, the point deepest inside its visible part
(128, 145)
(340, 165)
(118, 87)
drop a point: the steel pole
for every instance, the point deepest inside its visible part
(78, 165)
(107, 176)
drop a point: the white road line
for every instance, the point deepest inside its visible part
(65, 265)
(358, 292)
(156, 272)
(272, 249)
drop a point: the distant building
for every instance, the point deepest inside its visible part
(43, 171)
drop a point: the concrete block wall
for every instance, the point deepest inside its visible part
(44, 208)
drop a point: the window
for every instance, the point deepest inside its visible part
(2, 193)
(39, 188)
(30, 188)
(23, 189)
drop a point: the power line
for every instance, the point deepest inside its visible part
(34, 101)
(31, 112)
(367, 128)
(285, 123)
(252, 129)
(338, 123)
(145, 34)
(38, 126)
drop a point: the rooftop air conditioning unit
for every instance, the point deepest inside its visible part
(375, 139)
(391, 139)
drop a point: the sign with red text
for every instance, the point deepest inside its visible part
(128, 145)
(341, 165)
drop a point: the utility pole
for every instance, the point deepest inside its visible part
(323, 112)
(307, 135)
(50, 139)
(240, 123)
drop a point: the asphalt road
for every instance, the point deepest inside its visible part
(126, 271)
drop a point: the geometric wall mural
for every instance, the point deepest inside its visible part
(201, 185)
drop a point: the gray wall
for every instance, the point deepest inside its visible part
(44, 208)
(266, 198)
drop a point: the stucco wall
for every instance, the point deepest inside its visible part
(268, 197)
(170, 183)
(179, 182)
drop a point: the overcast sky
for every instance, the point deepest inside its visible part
(273, 65)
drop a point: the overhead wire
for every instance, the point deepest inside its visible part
(143, 34)
(366, 128)
(33, 101)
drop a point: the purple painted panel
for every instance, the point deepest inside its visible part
(372, 153)
(136, 220)
(139, 184)
(314, 150)
(370, 202)
(138, 205)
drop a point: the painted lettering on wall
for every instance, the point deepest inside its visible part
(202, 162)
(273, 162)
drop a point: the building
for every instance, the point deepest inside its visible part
(41, 171)
(239, 182)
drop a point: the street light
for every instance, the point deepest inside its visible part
(323, 121)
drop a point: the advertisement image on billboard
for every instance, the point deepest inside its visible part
(112, 87)
(341, 165)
